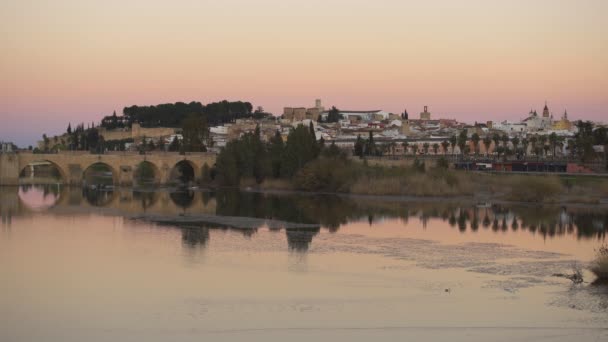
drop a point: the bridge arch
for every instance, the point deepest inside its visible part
(146, 172)
(185, 171)
(27, 169)
(103, 173)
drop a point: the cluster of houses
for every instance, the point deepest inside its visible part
(397, 130)
(392, 129)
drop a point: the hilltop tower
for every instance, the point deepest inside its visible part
(546, 111)
(426, 115)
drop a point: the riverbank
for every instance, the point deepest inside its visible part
(438, 183)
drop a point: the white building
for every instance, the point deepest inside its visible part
(535, 122)
(6, 147)
(511, 127)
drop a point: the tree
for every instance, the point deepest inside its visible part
(553, 139)
(359, 146)
(69, 130)
(453, 142)
(298, 151)
(371, 145)
(195, 132)
(515, 142)
(435, 148)
(415, 148)
(444, 145)
(315, 146)
(525, 143)
(206, 177)
(487, 142)
(425, 146)
(533, 141)
(175, 145)
(333, 115)
(405, 145)
(462, 141)
(276, 153)
(475, 139)
(505, 140)
(543, 141)
(496, 139)
(45, 141)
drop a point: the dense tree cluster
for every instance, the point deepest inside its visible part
(173, 114)
(584, 140)
(250, 157)
(333, 115)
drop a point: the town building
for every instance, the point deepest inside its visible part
(301, 113)
(426, 115)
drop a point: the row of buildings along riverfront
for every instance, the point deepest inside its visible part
(425, 133)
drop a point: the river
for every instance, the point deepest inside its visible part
(168, 265)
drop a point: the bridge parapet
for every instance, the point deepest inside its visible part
(73, 164)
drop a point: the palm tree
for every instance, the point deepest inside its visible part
(435, 148)
(425, 146)
(496, 139)
(560, 145)
(515, 142)
(543, 142)
(462, 141)
(405, 145)
(487, 141)
(475, 138)
(533, 141)
(414, 148)
(525, 144)
(553, 141)
(505, 140)
(453, 142)
(445, 145)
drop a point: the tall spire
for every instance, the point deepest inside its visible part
(546, 110)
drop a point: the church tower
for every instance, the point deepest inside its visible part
(546, 111)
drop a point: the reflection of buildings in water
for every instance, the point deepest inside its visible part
(195, 236)
(299, 240)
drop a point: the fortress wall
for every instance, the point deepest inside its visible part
(115, 134)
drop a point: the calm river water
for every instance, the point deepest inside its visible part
(123, 265)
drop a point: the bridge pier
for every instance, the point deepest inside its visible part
(9, 169)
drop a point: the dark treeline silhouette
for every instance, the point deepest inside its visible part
(173, 114)
(584, 140)
(250, 157)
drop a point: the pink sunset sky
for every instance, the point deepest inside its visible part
(75, 61)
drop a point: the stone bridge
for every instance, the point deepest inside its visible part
(73, 165)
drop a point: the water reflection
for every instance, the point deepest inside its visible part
(299, 240)
(328, 211)
(193, 237)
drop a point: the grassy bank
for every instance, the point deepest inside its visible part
(344, 176)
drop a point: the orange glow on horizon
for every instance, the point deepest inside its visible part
(470, 60)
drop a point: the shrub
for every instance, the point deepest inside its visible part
(442, 163)
(600, 264)
(534, 189)
(325, 174)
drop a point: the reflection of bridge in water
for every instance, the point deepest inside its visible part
(72, 166)
(301, 215)
(145, 205)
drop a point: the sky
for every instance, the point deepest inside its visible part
(473, 60)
